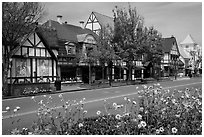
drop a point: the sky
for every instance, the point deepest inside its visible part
(169, 18)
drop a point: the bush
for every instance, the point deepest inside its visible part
(156, 112)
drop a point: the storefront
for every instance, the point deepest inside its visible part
(33, 62)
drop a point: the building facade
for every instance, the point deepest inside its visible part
(96, 22)
(170, 62)
(194, 52)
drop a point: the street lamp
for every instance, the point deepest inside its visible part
(10, 67)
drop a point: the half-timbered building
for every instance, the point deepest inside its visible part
(170, 60)
(33, 62)
(96, 22)
(74, 44)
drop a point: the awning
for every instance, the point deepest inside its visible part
(139, 67)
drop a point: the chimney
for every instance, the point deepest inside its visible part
(59, 19)
(81, 24)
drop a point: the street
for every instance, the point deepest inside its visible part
(94, 101)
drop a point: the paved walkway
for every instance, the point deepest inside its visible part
(71, 88)
(179, 78)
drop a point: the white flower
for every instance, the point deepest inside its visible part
(140, 116)
(155, 91)
(173, 101)
(143, 123)
(125, 98)
(98, 112)
(129, 100)
(177, 115)
(174, 130)
(60, 95)
(127, 114)
(134, 102)
(144, 86)
(7, 108)
(118, 116)
(114, 104)
(161, 129)
(139, 125)
(41, 102)
(199, 103)
(80, 125)
(141, 109)
(117, 126)
(44, 96)
(32, 97)
(15, 110)
(17, 107)
(150, 87)
(157, 131)
(136, 88)
(67, 102)
(158, 84)
(84, 99)
(80, 101)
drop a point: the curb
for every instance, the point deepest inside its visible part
(74, 90)
(47, 93)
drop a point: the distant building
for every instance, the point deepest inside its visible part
(97, 21)
(185, 58)
(194, 51)
(170, 62)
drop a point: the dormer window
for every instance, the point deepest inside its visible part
(71, 49)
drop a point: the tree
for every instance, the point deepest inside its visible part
(128, 36)
(106, 50)
(18, 20)
(152, 49)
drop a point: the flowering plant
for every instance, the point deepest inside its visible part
(154, 111)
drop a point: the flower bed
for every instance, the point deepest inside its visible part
(154, 112)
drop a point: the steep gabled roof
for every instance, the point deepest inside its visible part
(104, 20)
(188, 40)
(48, 35)
(168, 43)
(68, 32)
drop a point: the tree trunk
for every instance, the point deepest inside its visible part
(110, 75)
(5, 68)
(103, 77)
(129, 73)
(90, 74)
(120, 73)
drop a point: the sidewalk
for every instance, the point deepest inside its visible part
(180, 78)
(70, 88)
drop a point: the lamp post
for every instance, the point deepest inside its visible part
(176, 67)
(10, 67)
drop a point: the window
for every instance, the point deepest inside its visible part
(187, 46)
(71, 49)
(22, 67)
